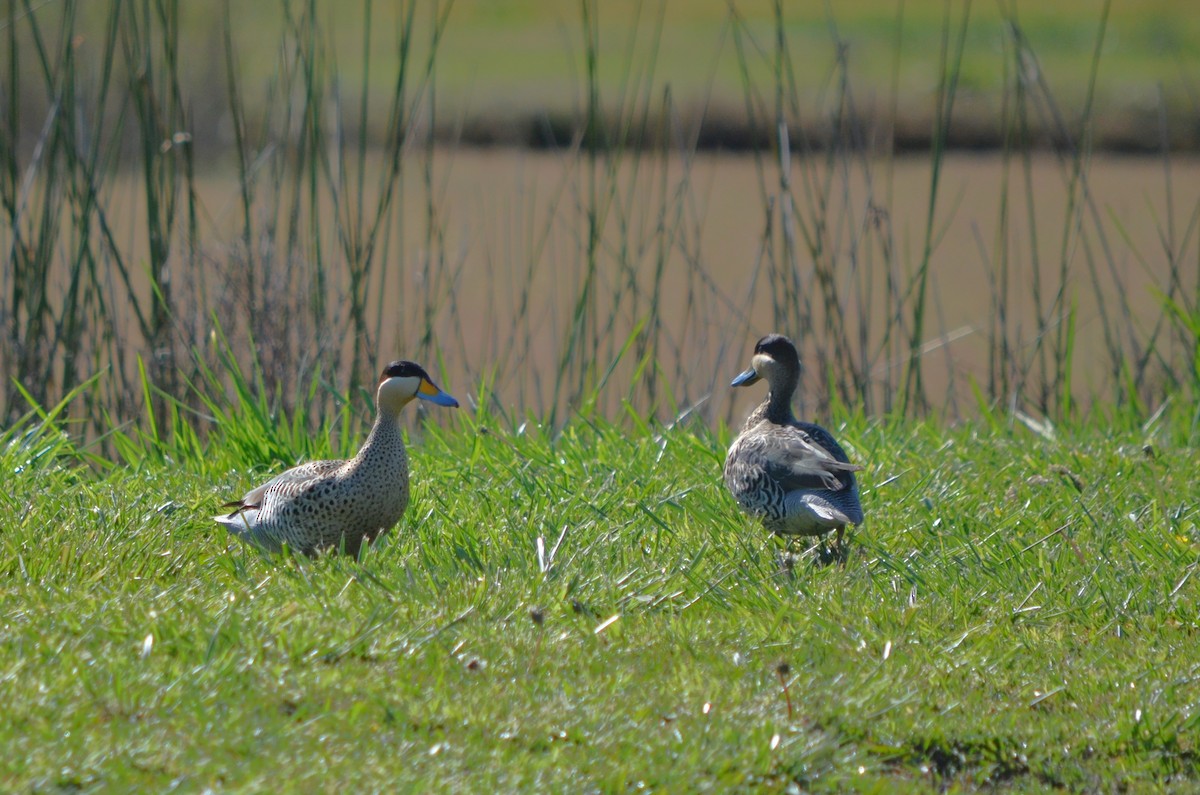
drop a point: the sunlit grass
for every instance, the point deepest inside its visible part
(586, 608)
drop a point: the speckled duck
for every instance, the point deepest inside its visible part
(338, 505)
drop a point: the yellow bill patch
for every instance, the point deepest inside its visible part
(428, 389)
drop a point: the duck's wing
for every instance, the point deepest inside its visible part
(797, 461)
(285, 483)
(823, 439)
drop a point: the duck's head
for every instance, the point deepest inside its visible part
(774, 359)
(402, 381)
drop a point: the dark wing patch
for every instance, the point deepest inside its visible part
(238, 506)
(796, 461)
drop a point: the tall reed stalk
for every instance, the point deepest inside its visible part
(311, 274)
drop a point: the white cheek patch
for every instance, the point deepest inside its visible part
(399, 388)
(761, 363)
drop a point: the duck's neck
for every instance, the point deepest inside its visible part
(385, 439)
(777, 408)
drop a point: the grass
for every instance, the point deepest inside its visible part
(584, 609)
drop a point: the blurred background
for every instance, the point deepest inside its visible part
(577, 207)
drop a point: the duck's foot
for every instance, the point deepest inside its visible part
(786, 557)
(792, 551)
(837, 551)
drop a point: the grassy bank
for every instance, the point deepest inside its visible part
(585, 609)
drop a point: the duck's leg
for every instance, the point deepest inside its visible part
(842, 548)
(826, 552)
(785, 556)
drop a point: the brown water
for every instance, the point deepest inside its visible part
(488, 249)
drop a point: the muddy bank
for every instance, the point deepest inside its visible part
(977, 125)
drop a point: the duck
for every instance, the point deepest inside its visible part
(337, 506)
(792, 475)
